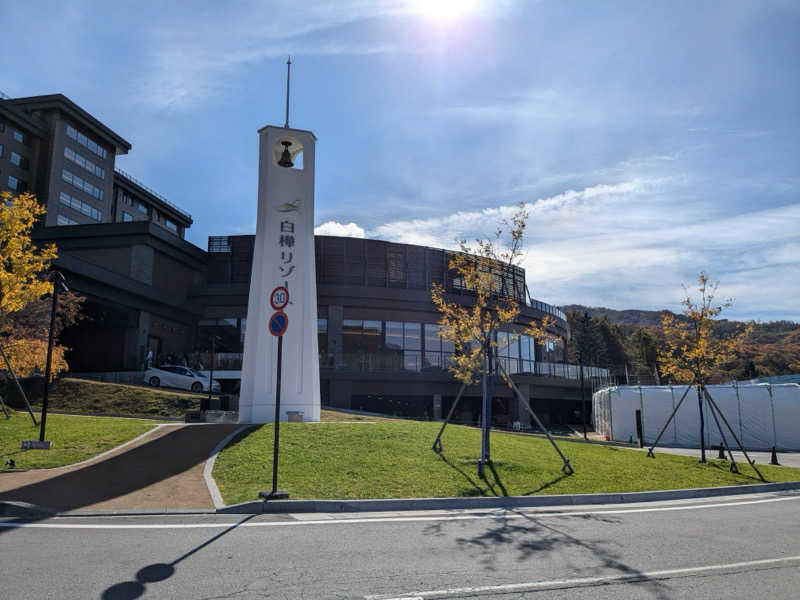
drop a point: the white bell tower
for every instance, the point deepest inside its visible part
(283, 256)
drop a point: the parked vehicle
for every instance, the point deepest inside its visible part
(179, 377)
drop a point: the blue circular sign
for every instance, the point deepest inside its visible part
(278, 323)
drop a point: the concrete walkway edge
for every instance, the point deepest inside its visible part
(392, 504)
(216, 497)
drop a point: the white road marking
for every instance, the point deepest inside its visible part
(579, 582)
(333, 521)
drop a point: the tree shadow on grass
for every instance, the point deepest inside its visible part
(476, 489)
(547, 484)
(725, 466)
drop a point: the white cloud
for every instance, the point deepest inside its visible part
(340, 229)
(632, 244)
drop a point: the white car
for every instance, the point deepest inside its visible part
(179, 377)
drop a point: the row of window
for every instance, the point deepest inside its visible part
(127, 199)
(81, 161)
(82, 184)
(86, 142)
(396, 345)
(81, 206)
(65, 220)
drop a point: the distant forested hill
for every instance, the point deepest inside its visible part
(772, 349)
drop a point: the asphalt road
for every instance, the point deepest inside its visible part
(735, 547)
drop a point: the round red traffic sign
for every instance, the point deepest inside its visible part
(278, 323)
(279, 298)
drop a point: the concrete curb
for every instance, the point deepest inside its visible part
(25, 509)
(334, 506)
(216, 497)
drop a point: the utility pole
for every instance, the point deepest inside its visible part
(583, 401)
(213, 360)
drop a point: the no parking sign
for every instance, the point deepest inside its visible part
(278, 323)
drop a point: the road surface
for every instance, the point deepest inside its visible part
(733, 547)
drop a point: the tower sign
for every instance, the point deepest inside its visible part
(283, 258)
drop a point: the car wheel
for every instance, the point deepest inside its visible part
(155, 381)
(197, 386)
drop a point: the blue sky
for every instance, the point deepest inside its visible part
(650, 140)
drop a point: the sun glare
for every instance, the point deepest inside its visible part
(444, 10)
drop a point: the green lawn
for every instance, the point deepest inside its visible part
(394, 460)
(83, 395)
(73, 438)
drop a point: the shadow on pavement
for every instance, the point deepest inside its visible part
(129, 590)
(531, 536)
(124, 473)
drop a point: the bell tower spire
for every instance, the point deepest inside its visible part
(288, 77)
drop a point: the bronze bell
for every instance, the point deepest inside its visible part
(286, 158)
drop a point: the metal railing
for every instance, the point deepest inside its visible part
(152, 191)
(547, 308)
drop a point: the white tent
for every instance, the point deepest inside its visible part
(762, 415)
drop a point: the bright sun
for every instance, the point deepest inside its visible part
(444, 10)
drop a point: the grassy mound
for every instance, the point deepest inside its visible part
(96, 397)
(73, 438)
(393, 459)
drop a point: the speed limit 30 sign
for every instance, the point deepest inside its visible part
(279, 298)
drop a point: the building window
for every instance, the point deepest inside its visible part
(13, 182)
(142, 208)
(438, 351)
(1, 150)
(125, 198)
(64, 220)
(126, 217)
(81, 206)
(171, 225)
(82, 184)
(84, 163)
(86, 142)
(19, 161)
(19, 136)
(403, 341)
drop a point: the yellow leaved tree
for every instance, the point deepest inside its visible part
(492, 282)
(486, 273)
(691, 349)
(23, 282)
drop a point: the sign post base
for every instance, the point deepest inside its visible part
(273, 494)
(35, 445)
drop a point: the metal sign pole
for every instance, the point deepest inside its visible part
(277, 420)
(278, 323)
(43, 421)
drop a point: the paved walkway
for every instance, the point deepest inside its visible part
(161, 470)
(786, 459)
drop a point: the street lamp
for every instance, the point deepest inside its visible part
(59, 284)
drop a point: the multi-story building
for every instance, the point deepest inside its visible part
(52, 147)
(122, 246)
